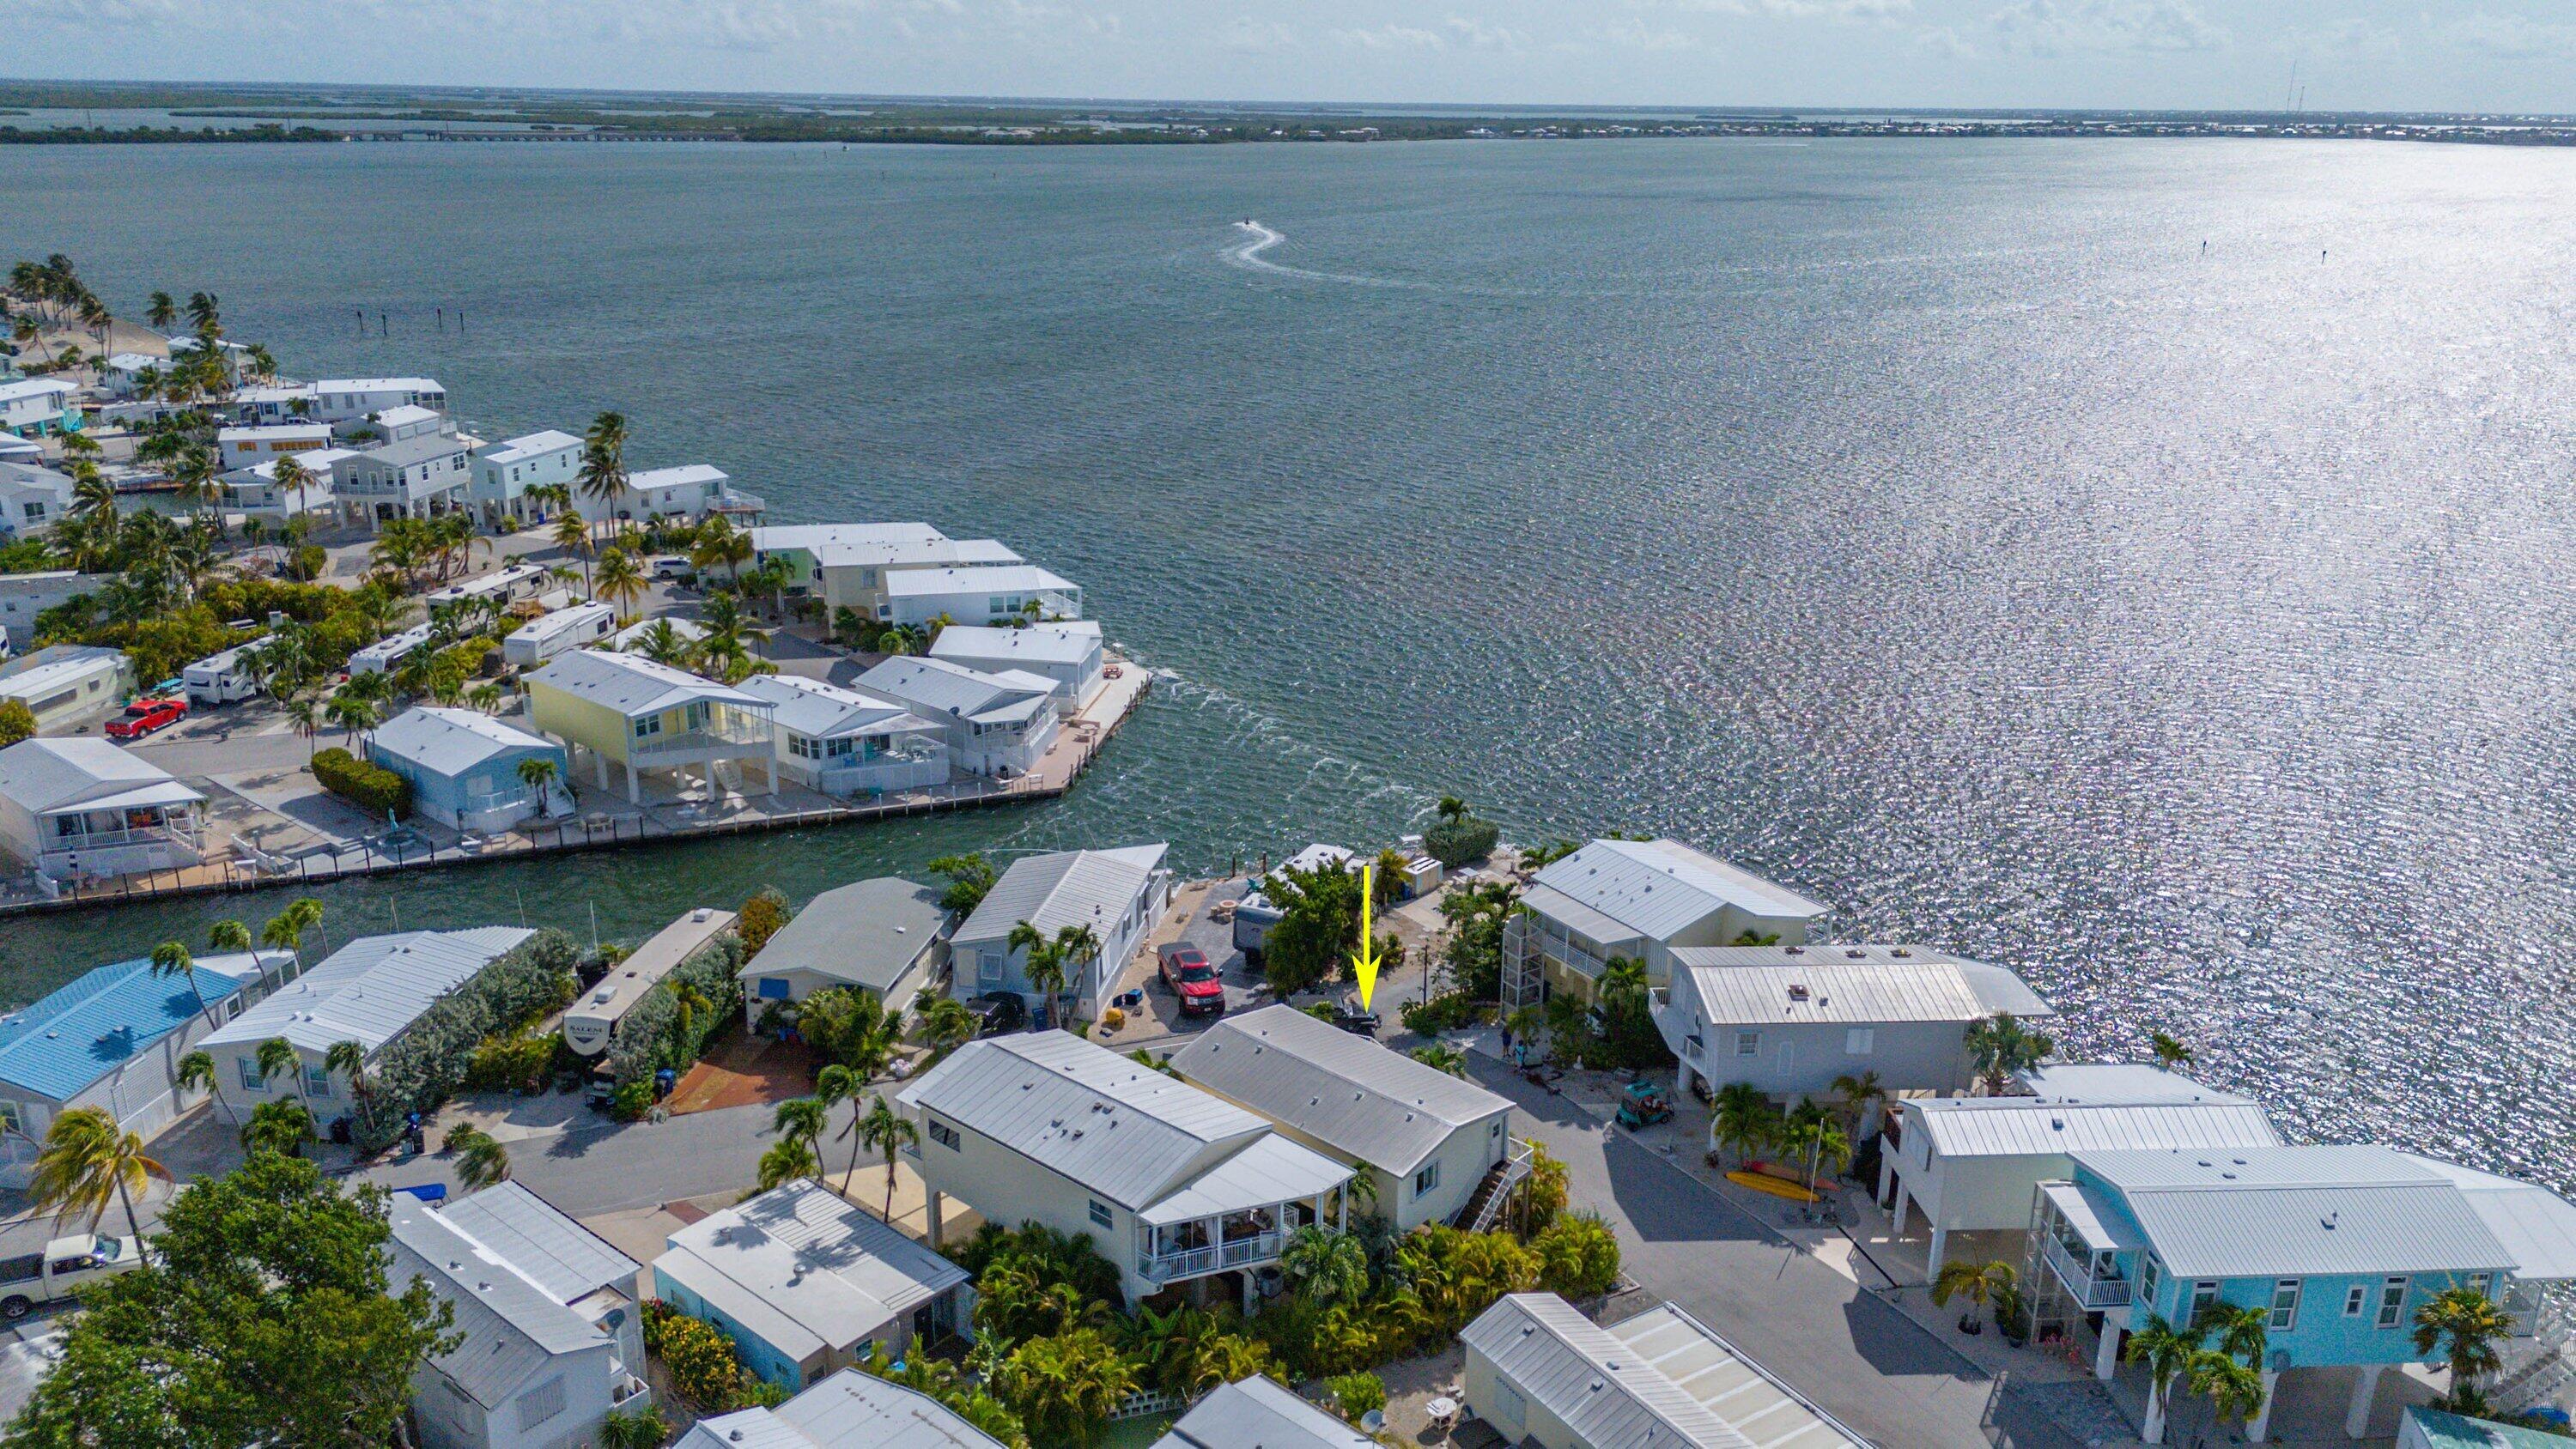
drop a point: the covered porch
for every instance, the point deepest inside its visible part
(155, 827)
(708, 733)
(1238, 1215)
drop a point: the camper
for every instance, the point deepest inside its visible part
(541, 639)
(220, 678)
(388, 653)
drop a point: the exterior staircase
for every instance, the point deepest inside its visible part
(1486, 1204)
(2550, 1367)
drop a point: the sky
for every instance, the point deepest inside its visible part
(2496, 55)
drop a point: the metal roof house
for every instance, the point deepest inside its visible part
(1969, 1163)
(505, 471)
(25, 596)
(849, 1410)
(1173, 1184)
(1070, 653)
(1431, 1140)
(2338, 1244)
(463, 766)
(112, 1037)
(846, 564)
(994, 724)
(1117, 894)
(32, 500)
(984, 594)
(369, 991)
(415, 477)
(1637, 899)
(690, 490)
(590, 1023)
(842, 742)
(806, 1283)
(346, 399)
(1790, 1019)
(71, 808)
(1539, 1372)
(551, 1336)
(1258, 1411)
(887, 936)
(627, 710)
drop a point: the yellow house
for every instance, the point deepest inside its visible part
(626, 710)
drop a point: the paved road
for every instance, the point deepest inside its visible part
(1863, 1361)
(605, 1166)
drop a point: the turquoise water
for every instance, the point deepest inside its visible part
(1935, 526)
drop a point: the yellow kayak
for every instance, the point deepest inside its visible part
(1772, 1185)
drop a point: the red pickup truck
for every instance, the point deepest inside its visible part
(1186, 970)
(145, 716)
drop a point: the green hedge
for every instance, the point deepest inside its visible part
(372, 788)
(1454, 843)
(652, 1036)
(426, 1064)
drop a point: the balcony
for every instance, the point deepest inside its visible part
(726, 732)
(2093, 1281)
(1193, 1262)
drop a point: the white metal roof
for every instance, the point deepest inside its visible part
(1256, 1413)
(70, 773)
(566, 1259)
(1118, 1128)
(496, 581)
(1590, 1380)
(818, 710)
(849, 1410)
(1659, 888)
(2093, 1215)
(805, 1269)
(374, 384)
(2253, 1212)
(596, 1012)
(407, 415)
(1361, 1099)
(815, 537)
(976, 645)
(57, 667)
(2116, 1083)
(1729, 1384)
(371, 989)
(1066, 888)
(633, 685)
(528, 445)
(685, 475)
(564, 621)
(938, 689)
(2032, 1126)
(253, 432)
(1269, 1169)
(2536, 1225)
(888, 546)
(867, 933)
(988, 579)
(449, 742)
(34, 387)
(1762, 985)
(510, 1325)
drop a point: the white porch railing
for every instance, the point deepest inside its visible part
(1192, 1262)
(2088, 1291)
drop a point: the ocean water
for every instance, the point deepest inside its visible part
(2143, 564)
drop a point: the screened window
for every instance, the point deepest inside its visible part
(1748, 1043)
(2285, 1305)
(2392, 1302)
(1427, 1179)
(944, 1135)
(1100, 1212)
(1859, 1041)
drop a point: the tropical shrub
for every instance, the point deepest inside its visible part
(1545, 1193)
(704, 1369)
(1065, 1385)
(1578, 1257)
(17, 722)
(513, 1063)
(759, 919)
(372, 788)
(657, 1033)
(427, 1064)
(1357, 1393)
(1457, 842)
(1441, 1013)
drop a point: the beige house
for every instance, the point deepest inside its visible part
(1637, 900)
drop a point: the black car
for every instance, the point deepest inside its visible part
(998, 1013)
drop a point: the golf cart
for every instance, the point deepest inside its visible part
(1644, 1104)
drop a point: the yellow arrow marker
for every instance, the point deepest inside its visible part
(1364, 960)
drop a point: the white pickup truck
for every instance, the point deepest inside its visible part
(66, 1263)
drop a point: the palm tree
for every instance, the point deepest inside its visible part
(278, 1055)
(786, 1161)
(1451, 808)
(834, 1085)
(889, 1132)
(719, 543)
(1742, 1118)
(573, 537)
(1812, 1131)
(2233, 1390)
(162, 312)
(946, 1025)
(537, 772)
(643, 1429)
(1326, 1266)
(172, 959)
(2171, 1054)
(620, 580)
(1856, 1097)
(663, 643)
(481, 1158)
(205, 313)
(1441, 1057)
(89, 1161)
(285, 930)
(2167, 1355)
(1044, 968)
(2471, 1325)
(1999, 1046)
(280, 1127)
(1982, 1284)
(801, 1119)
(603, 460)
(351, 713)
(2241, 1331)
(196, 1073)
(350, 1060)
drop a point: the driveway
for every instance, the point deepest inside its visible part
(1862, 1360)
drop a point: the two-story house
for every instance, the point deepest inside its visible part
(846, 564)
(506, 470)
(1637, 900)
(993, 724)
(1175, 1186)
(1117, 895)
(628, 711)
(415, 477)
(2337, 1245)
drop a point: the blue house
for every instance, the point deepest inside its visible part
(112, 1039)
(2338, 1245)
(463, 766)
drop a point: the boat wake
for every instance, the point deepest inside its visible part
(1257, 239)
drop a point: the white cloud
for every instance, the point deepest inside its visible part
(1256, 37)
(2060, 27)
(1477, 35)
(1637, 35)
(1388, 37)
(2512, 37)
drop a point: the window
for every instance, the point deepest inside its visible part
(2356, 1300)
(2285, 1305)
(1100, 1212)
(233, 1009)
(1748, 1043)
(541, 1403)
(1858, 1041)
(988, 967)
(944, 1135)
(12, 1119)
(773, 988)
(1427, 1179)
(2392, 1302)
(649, 725)
(251, 1080)
(317, 1080)
(2203, 1294)
(2147, 1284)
